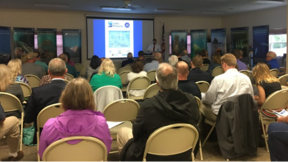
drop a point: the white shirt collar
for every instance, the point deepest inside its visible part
(57, 79)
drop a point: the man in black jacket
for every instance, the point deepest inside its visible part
(196, 74)
(169, 106)
(47, 94)
(128, 61)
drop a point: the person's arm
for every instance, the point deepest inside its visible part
(19, 93)
(210, 96)
(31, 114)
(262, 95)
(105, 133)
(74, 72)
(138, 126)
(148, 50)
(119, 81)
(45, 138)
(282, 119)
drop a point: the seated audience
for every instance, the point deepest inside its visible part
(79, 118)
(46, 79)
(239, 54)
(141, 57)
(278, 142)
(7, 84)
(47, 94)
(15, 69)
(204, 55)
(154, 64)
(184, 84)
(30, 67)
(271, 60)
(71, 69)
(185, 56)
(173, 59)
(178, 54)
(169, 106)
(128, 61)
(137, 70)
(106, 76)
(215, 63)
(41, 63)
(94, 66)
(9, 127)
(5, 58)
(196, 74)
(228, 84)
(266, 85)
(70, 62)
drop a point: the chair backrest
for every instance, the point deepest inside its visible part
(205, 67)
(217, 71)
(151, 75)
(128, 66)
(246, 72)
(48, 112)
(203, 86)
(78, 67)
(88, 149)
(274, 72)
(276, 100)
(10, 102)
(33, 80)
(127, 69)
(26, 89)
(283, 79)
(89, 78)
(199, 102)
(121, 110)
(151, 91)
(83, 71)
(69, 77)
(105, 95)
(123, 76)
(171, 140)
(138, 83)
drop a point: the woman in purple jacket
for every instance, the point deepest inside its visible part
(79, 118)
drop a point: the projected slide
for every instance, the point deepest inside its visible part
(115, 38)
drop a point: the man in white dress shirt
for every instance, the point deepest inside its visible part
(154, 47)
(223, 86)
(154, 64)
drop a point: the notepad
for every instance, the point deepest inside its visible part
(113, 124)
(282, 113)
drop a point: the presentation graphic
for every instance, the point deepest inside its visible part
(240, 40)
(179, 41)
(218, 37)
(260, 43)
(198, 41)
(119, 36)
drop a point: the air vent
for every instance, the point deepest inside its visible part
(269, 1)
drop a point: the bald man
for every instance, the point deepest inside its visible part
(184, 84)
(271, 60)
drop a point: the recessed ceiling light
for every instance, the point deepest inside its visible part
(115, 8)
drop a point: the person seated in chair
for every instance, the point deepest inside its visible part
(30, 67)
(169, 106)
(137, 70)
(271, 60)
(196, 74)
(128, 61)
(71, 69)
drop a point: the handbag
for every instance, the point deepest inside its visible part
(28, 135)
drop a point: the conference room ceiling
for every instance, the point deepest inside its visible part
(155, 7)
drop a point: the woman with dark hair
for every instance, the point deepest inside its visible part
(204, 54)
(70, 62)
(137, 70)
(94, 66)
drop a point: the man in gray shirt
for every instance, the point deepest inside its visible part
(154, 64)
(30, 68)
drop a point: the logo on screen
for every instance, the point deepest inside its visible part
(127, 25)
(110, 24)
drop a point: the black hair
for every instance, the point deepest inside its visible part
(95, 62)
(154, 39)
(140, 54)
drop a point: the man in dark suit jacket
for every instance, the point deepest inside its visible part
(47, 94)
(184, 84)
(196, 74)
(128, 61)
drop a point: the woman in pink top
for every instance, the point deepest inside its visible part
(79, 119)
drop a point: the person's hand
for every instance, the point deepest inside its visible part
(282, 119)
(256, 97)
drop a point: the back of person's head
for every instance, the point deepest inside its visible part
(203, 53)
(173, 59)
(167, 77)
(197, 61)
(57, 67)
(271, 54)
(4, 58)
(18, 52)
(107, 67)
(129, 55)
(218, 52)
(68, 55)
(38, 55)
(238, 53)
(185, 52)
(137, 66)
(217, 59)
(182, 68)
(64, 57)
(15, 67)
(229, 59)
(157, 56)
(77, 95)
(140, 54)
(261, 72)
(31, 56)
(5, 77)
(95, 62)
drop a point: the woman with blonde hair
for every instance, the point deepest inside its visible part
(15, 67)
(106, 76)
(266, 85)
(79, 118)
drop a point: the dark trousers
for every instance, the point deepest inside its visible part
(278, 141)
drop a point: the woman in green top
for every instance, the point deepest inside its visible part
(106, 76)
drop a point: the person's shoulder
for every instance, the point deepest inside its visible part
(49, 125)
(116, 76)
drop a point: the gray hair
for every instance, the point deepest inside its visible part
(167, 77)
(57, 67)
(173, 60)
(157, 56)
(272, 54)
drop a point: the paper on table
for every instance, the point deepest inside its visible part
(113, 124)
